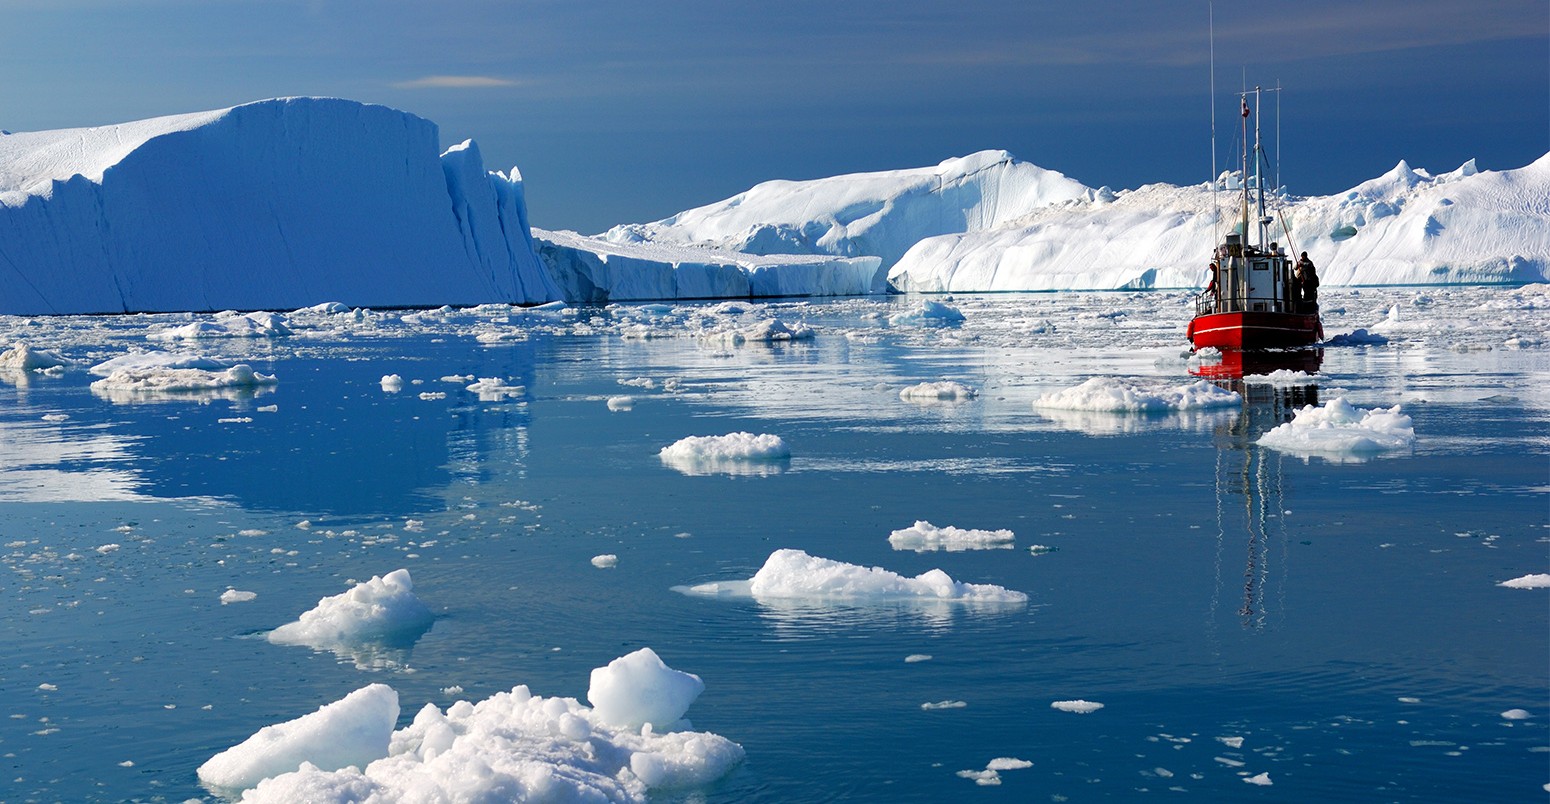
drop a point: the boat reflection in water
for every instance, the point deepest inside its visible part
(1250, 501)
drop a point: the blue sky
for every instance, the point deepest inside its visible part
(629, 111)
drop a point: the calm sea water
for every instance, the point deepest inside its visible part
(1341, 618)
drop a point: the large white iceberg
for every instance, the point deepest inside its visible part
(880, 214)
(795, 575)
(277, 204)
(1340, 428)
(382, 609)
(512, 746)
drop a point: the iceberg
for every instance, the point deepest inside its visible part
(278, 204)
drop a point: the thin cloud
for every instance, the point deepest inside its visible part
(456, 82)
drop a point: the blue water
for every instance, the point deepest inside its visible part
(1342, 618)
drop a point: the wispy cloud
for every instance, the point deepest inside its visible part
(456, 82)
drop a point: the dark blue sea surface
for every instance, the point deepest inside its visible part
(1332, 625)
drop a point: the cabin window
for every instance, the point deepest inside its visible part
(1259, 307)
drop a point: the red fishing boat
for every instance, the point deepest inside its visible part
(1254, 299)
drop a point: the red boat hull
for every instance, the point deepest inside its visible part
(1246, 330)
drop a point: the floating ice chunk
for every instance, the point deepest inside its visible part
(983, 778)
(1080, 707)
(917, 657)
(929, 707)
(228, 325)
(793, 574)
(152, 360)
(768, 331)
(1262, 779)
(1539, 581)
(236, 596)
(924, 536)
(605, 561)
(621, 403)
(383, 609)
(392, 383)
(927, 314)
(47, 687)
(351, 731)
(1516, 714)
(1280, 378)
(174, 380)
(639, 689)
(945, 391)
(1231, 742)
(21, 358)
(1340, 428)
(1111, 395)
(1359, 337)
(733, 453)
(493, 389)
(1007, 763)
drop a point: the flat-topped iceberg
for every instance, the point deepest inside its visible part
(1113, 395)
(512, 746)
(277, 204)
(733, 453)
(924, 536)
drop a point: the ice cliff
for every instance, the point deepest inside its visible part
(269, 205)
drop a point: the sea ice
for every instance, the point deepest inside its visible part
(21, 358)
(228, 325)
(924, 536)
(236, 596)
(1080, 707)
(605, 561)
(392, 383)
(354, 730)
(639, 689)
(935, 705)
(165, 380)
(618, 403)
(1340, 428)
(1112, 395)
(1262, 779)
(733, 453)
(937, 391)
(771, 330)
(927, 313)
(793, 574)
(382, 609)
(1516, 714)
(1538, 581)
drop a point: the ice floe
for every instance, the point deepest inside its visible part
(1535, 581)
(946, 391)
(794, 575)
(733, 453)
(134, 383)
(512, 746)
(1113, 395)
(1079, 707)
(1340, 428)
(924, 537)
(364, 623)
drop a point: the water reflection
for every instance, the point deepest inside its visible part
(704, 466)
(1108, 423)
(1250, 495)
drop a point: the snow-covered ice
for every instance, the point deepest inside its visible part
(945, 390)
(733, 453)
(605, 561)
(1113, 395)
(512, 746)
(924, 537)
(145, 381)
(1340, 428)
(1533, 581)
(381, 610)
(794, 575)
(237, 596)
(1079, 707)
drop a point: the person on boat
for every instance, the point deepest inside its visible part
(1307, 280)
(1211, 286)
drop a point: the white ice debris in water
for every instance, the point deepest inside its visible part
(946, 391)
(924, 536)
(492, 389)
(1262, 779)
(1007, 763)
(228, 325)
(392, 383)
(605, 561)
(621, 402)
(917, 657)
(354, 730)
(929, 707)
(991, 775)
(22, 357)
(1112, 395)
(513, 746)
(1280, 378)
(1516, 714)
(1540, 581)
(639, 689)
(236, 596)
(1340, 428)
(1080, 707)
(383, 608)
(150, 360)
(771, 330)
(162, 380)
(734, 453)
(795, 575)
(927, 314)
(1231, 742)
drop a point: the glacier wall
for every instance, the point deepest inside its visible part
(270, 205)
